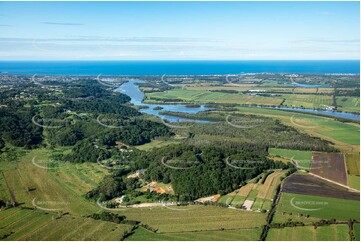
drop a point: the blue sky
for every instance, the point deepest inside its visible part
(179, 30)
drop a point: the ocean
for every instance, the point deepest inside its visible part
(177, 67)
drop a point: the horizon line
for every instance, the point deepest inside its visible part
(194, 60)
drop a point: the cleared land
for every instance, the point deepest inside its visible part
(310, 185)
(319, 207)
(155, 144)
(307, 101)
(348, 104)
(356, 231)
(261, 194)
(142, 234)
(302, 158)
(354, 182)
(353, 170)
(206, 87)
(353, 164)
(26, 224)
(201, 96)
(331, 232)
(330, 166)
(62, 187)
(195, 218)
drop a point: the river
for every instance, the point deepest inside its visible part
(132, 90)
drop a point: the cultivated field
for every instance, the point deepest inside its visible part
(324, 233)
(26, 224)
(353, 170)
(353, 164)
(261, 194)
(195, 218)
(307, 101)
(348, 104)
(310, 185)
(200, 96)
(330, 166)
(33, 182)
(142, 234)
(228, 87)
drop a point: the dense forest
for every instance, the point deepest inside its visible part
(82, 114)
(235, 129)
(193, 171)
(17, 129)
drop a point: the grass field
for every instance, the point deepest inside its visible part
(155, 144)
(342, 134)
(353, 163)
(348, 104)
(195, 218)
(142, 234)
(25, 224)
(303, 158)
(62, 187)
(320, 207)
(207, 87)
(356, 231)
(203, 96)
(331, 233)
(354, 181)
(307, 101)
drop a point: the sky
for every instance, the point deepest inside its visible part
(179, 30)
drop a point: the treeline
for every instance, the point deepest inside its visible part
(155, 85)
(164, 100)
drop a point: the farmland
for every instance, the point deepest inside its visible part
(196, 96)
(307, 101)
(331, 232)
(60, 188)
(260, 193)
(319, 207)
(26, 224)
(353, 164)
(142, 234)
(194, 218)
(303, 158)
(237, 159)
(353, 170)
(330, 166)
(311, 185)
(348, 104)
(356, 231)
